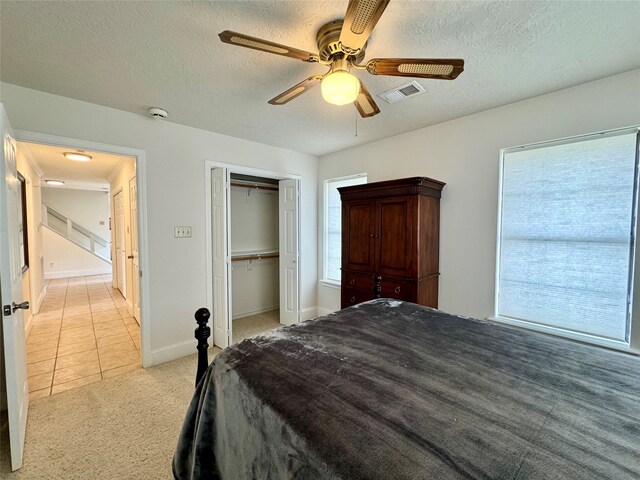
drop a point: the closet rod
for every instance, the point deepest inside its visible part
(254, 257)
(254, 186)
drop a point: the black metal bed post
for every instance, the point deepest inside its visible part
(202, 332)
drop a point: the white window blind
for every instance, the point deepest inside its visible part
(333, 224)
(566, 241)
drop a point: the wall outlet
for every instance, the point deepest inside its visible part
(182, 232)
(52, 264)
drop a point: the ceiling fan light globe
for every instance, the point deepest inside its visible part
(340, 88)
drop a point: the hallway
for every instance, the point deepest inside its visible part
(82, 334)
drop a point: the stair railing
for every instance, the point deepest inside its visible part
(76, 233)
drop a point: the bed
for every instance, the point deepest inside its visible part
(393, 390)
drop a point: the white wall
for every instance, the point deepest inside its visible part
(85, 207)
(464, 153)
(254, 286)
(33, 279)
(175, 156)
(254, 220)
(63, 258)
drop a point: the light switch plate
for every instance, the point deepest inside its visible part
(182, 231)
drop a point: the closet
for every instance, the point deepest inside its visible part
(254, 242)
(253, 254)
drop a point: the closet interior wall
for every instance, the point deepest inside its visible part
(254, 233)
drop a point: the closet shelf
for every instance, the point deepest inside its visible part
(255, 186)
(243, 256)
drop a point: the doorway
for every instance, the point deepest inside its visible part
(253, 247)
(18, 385)
(84, 330)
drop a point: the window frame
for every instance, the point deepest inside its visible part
(633, 342)
(325, 224)
(23, 213)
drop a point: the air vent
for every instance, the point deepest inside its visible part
(402, 92)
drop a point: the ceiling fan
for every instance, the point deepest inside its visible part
(341, 46)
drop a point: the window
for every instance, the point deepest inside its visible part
(333, 224)
(566, 236)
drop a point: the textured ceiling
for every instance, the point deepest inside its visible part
(91, 175)
(133, 55)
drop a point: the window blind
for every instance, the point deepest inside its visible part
(566, 235)
(333, 224)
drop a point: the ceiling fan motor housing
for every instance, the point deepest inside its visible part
(328, 40)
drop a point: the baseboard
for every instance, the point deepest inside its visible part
(27, 327)
(308, 313)
(40, 299)
(173, 352)
(78, 273)
(255, 312)
(324, 311)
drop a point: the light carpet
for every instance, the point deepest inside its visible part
(254, 325)
(120, 428)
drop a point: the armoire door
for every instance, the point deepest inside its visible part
(394, 236)
(358, 232)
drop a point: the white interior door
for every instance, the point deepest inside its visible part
(220, 235)
(15, 356)
(135, 261)
(289, 252)
(121, 266)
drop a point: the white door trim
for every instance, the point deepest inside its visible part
(143, 245)
(258, 172)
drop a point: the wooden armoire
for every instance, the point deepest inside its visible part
(390, 241)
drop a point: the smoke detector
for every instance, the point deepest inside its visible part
(403, 91)
(156, 112)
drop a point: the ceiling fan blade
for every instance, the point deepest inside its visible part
(438, 68)
(359, 21)
(365, 104)
(246, 41)
(296, 90)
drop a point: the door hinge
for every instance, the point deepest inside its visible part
(6, 310)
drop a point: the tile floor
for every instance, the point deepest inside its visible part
(82, 334)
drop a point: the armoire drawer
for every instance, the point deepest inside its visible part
(399, 289)
(358, 281)
(351, 296)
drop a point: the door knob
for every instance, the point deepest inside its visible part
(21, 306)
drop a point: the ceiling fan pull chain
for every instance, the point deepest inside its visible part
(356, 123)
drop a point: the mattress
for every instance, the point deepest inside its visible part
(393, 390)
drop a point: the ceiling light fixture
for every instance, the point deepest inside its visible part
(54, 182)
(78, 157)
(340, 87)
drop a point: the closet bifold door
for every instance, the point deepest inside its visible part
(395, 217)
(358, 235)
(221, 256)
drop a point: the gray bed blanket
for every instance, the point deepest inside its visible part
(393, 390)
